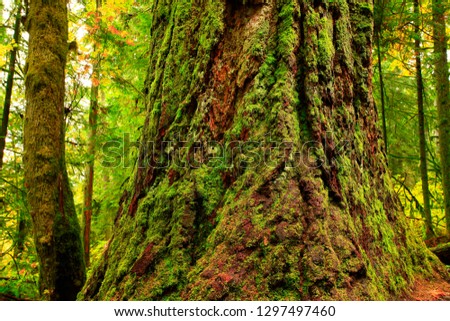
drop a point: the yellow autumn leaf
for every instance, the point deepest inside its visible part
(4, 50)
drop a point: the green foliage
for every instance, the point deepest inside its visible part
(19, 275)
(124, 48)
(18, 262)
(397, 52)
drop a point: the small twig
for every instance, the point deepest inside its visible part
(418, 205)
(9, 183)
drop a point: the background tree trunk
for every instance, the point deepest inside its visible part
(55, 224)
(230, 85)
(378, 34)
(10, 84)
(439, 8)
(383, 105)
(89, 187)
(421, 118)
(23, 220)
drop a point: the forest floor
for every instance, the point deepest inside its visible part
(430, 290)
(423, 290)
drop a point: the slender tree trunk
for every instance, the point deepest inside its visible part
(260, 174)
(55, 224)
(443, 100)
(21, 198)
(89, 188)
(383, 105)
(421, 116)
(10, 84)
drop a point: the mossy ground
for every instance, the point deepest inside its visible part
(320, 222)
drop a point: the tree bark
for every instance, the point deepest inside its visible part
(55, 224)
(261, 173)
(10, 84)
(421, 117)
(443, 97)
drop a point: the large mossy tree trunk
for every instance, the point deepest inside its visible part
(55, 224)
(261, 173)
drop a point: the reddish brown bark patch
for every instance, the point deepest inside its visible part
(173, 175)
(232, 68)
(141, 266)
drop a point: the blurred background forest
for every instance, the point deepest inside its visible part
(104, 112)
